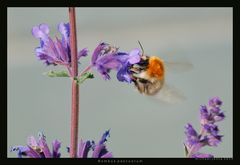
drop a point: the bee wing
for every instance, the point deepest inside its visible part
(169, 94)
(178, 66)
(177, 62)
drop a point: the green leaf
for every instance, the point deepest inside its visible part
(186, 150)
(52, 73)
(87, 75)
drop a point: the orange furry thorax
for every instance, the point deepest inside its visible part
(155, 67)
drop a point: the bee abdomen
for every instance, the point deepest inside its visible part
(147, 87)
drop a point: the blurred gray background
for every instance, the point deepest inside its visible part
(140, 126)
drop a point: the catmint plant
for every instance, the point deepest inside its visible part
(209, 133)
(104, 59)
(40, 149)
(64, 52)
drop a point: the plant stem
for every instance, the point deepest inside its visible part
(75, 87)
(192, 149)
(85, 70)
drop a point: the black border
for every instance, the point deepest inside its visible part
(122, 3)
(4, 4)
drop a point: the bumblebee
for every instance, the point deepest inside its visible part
(148, 75)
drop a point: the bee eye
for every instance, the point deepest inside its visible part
(143, 63)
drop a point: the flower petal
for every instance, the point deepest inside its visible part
(214, 140)
(122, 75)
(201, 155)
(64, 29)
(21, 150)
(105, 136)
(108, 62)
(51, 52)
(41, 32)
(211, 128)
(97, 52)
(43, 144)
(215, 102)
(219, 117)
(62, 51)
(99, 150)
(55, 148)
(192, 136)
(31, 141)
(204, 115)
(189, 130)
(104, 72)
(32, 153)
(83, 149)
(82, 53)
(44, 28)
(196, 147)
(134, 56)
(107, 155)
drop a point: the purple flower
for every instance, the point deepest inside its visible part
(201, 155)
(83, 53)
(208, 135)
(212, 113)
(204, 114)
(84, 148)
(55, 148)
(106, 58)
(99, 149)
(211, 129)
(21, 150)
(38, 148)
(215, 102)
(54, 52)
(214, 140)
(192, 135)
(124, 72)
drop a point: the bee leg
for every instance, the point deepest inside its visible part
(142, 86)
(134, 70)
(144, 81)
(146, 87)
(141, 66)
(138, 85)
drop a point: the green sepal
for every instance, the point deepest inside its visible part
(87, 75)
(52, 73)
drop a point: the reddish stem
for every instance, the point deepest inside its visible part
(75, 87)
(85, 70)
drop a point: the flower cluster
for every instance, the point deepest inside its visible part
(106, 58)
(99, 149)
(208, 135)
(39, 148)
(55, 52)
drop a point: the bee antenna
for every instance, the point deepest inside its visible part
(141, 47)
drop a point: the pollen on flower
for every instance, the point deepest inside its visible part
(156, 67)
